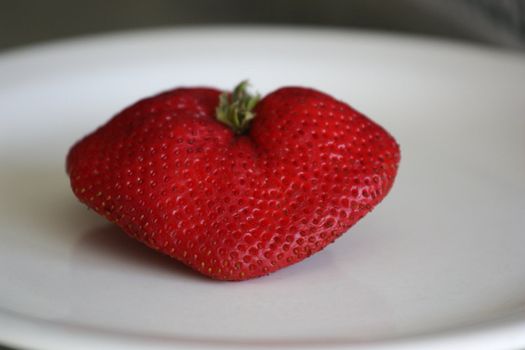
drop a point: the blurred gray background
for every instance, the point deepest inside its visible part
(497, 23)
(492, 22)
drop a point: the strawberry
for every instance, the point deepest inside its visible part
(230, 185)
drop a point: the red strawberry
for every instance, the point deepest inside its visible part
(185, 175)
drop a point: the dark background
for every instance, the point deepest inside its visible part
(492, 22)
(497, 23)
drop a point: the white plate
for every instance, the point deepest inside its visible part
(438, 265)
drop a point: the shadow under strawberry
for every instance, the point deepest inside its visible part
(109, 244)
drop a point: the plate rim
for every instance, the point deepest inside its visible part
(69, 42)
(503, 333)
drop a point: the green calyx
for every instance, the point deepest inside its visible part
(236, 109)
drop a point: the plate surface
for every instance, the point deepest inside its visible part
(438, 265)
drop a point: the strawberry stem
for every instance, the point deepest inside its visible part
(236, 109)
